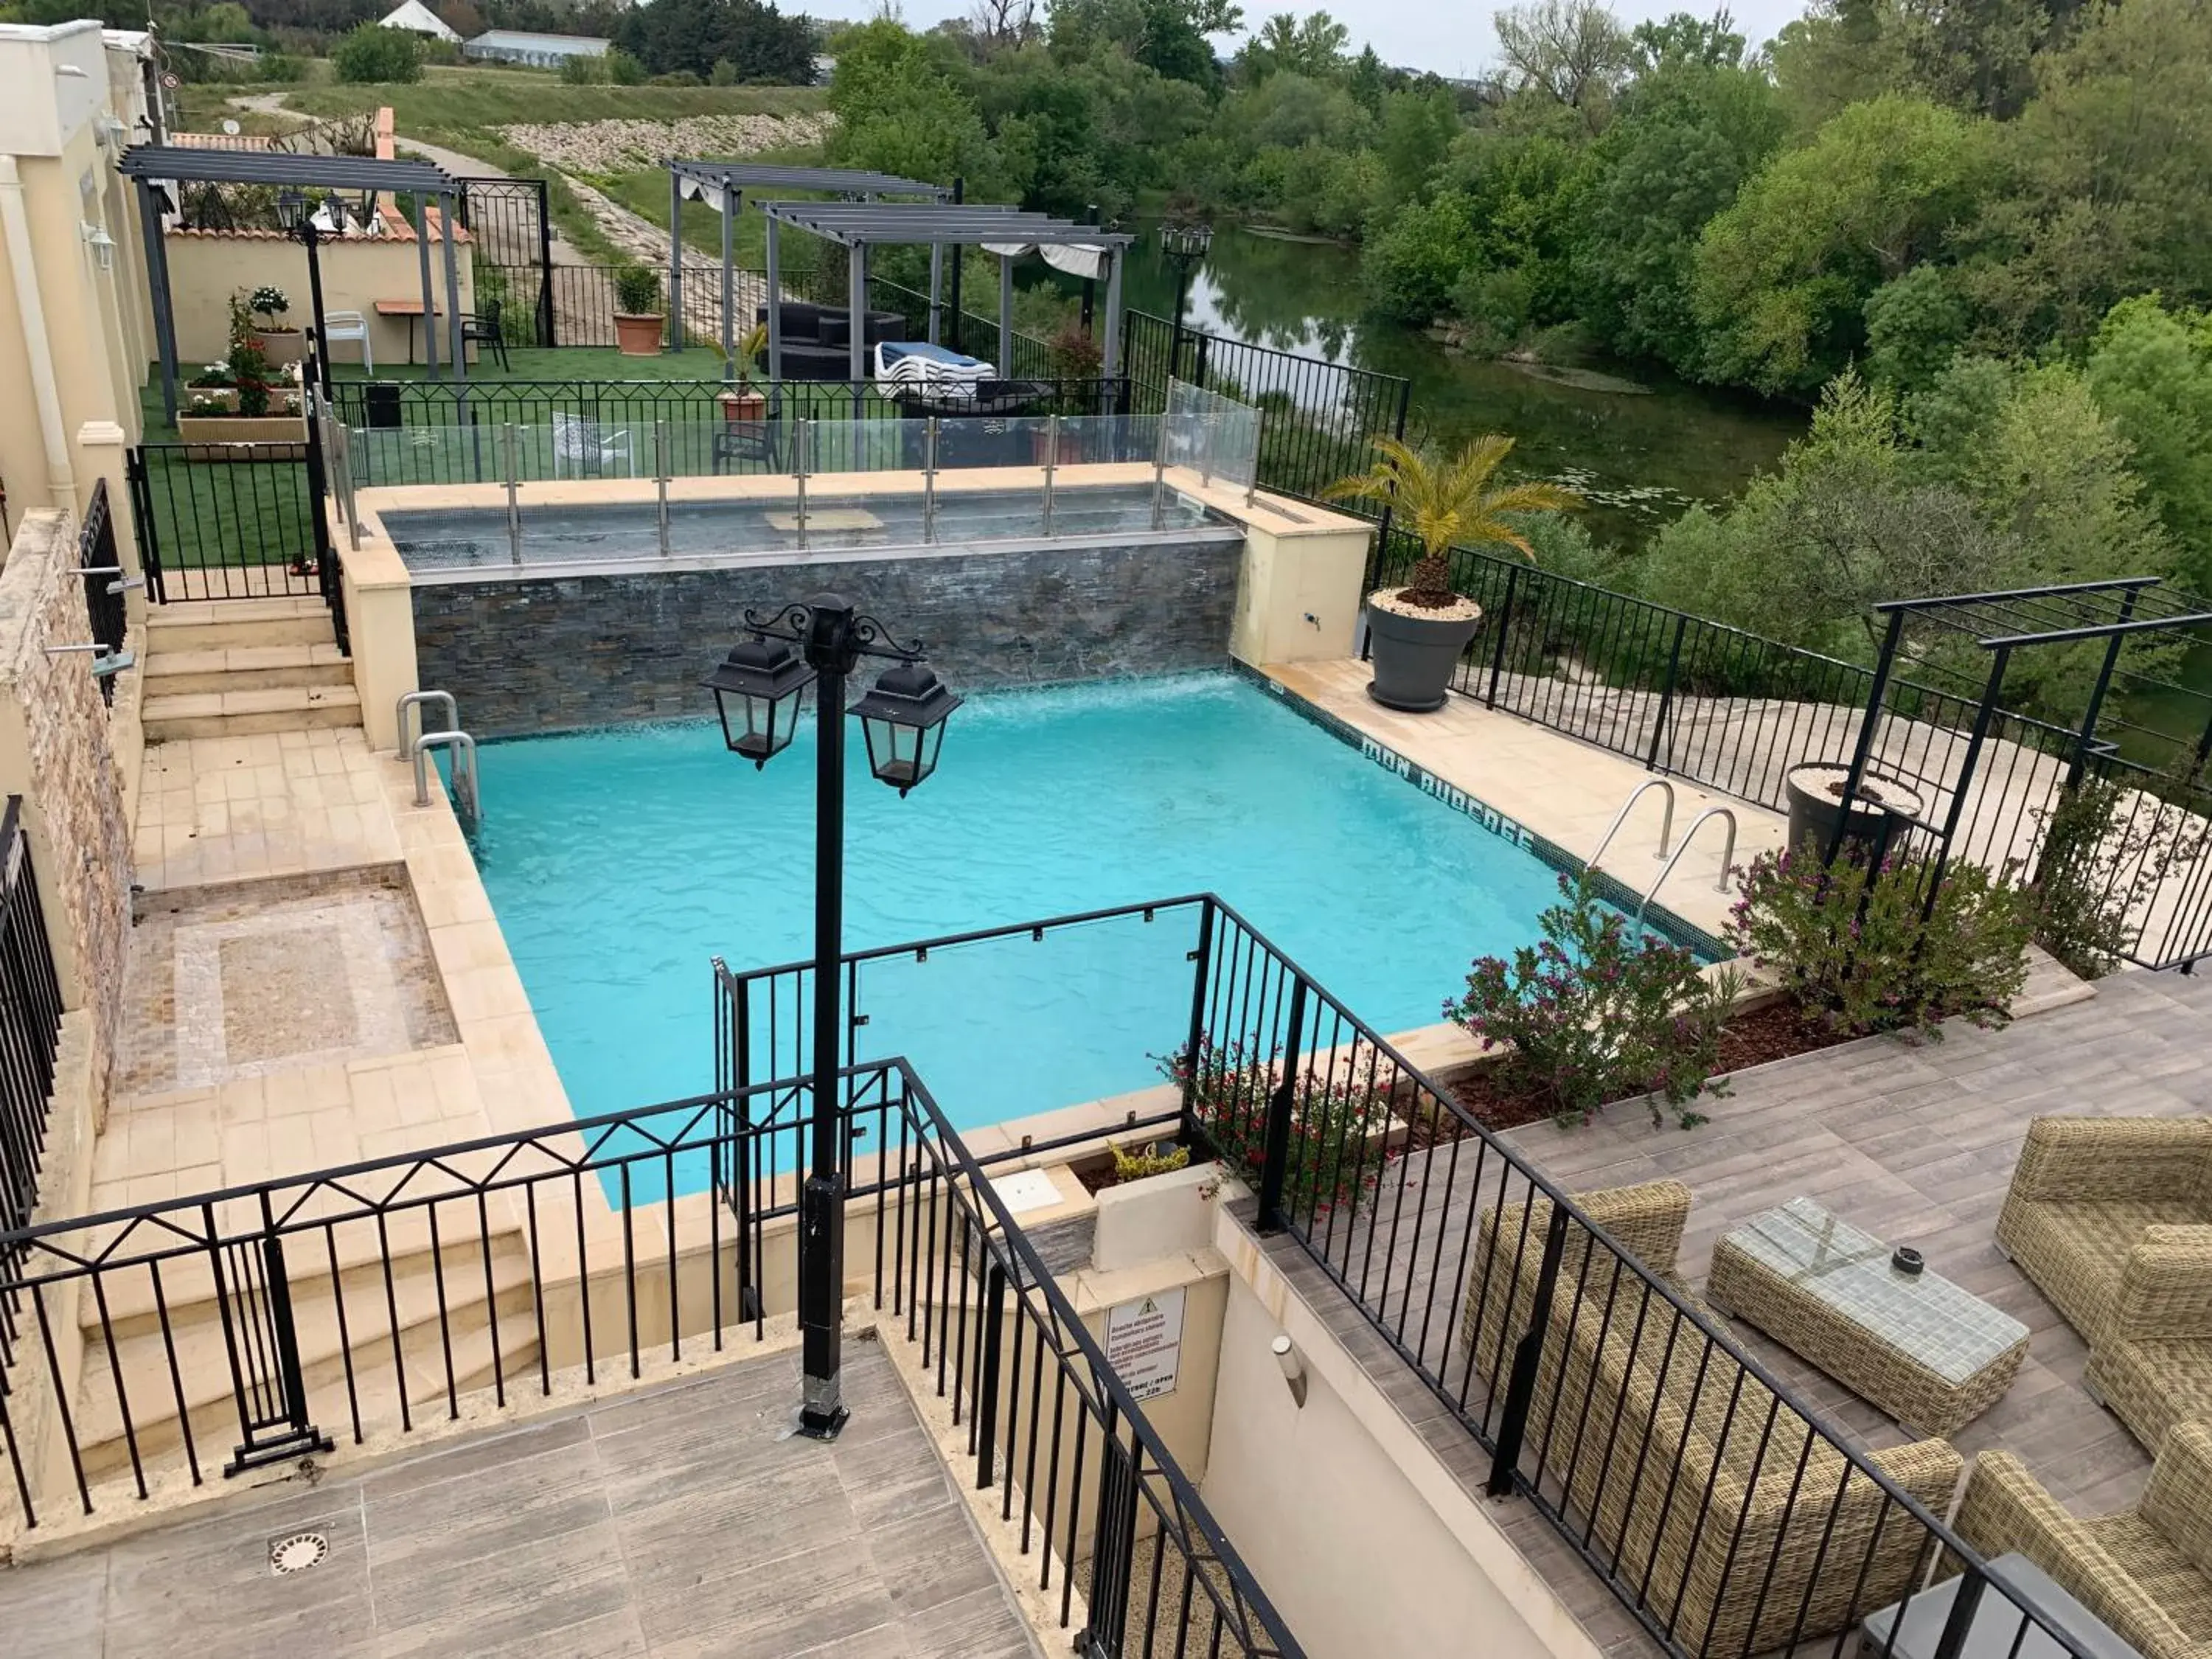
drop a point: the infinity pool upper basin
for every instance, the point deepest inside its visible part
(619, 862)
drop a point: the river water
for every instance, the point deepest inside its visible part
(1640, 456)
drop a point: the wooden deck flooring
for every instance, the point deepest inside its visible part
(686, 1521)
(1913, 1141)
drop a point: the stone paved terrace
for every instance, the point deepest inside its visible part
(1912, 1141)
(683, 1521)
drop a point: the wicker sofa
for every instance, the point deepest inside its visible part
(2112, 1217)
(1732, 1513)
(2146, 1571)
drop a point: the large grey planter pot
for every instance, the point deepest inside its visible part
(1871, 825)
(1413, 657)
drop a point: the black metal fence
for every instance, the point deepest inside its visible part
(1734, 712)
(1320, 417)
(400, 1292)
(225, 520)
(102, 569)
(30, 1036)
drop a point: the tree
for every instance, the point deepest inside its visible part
(1414, 134)
(1284, 44)
(1915, 325)
(1682, 40)
(1571, 50)
(1450, 503)
(2107, 169)
(902, 108)
(1003, 25)
(371, 54)
(1687, 137)
(1785, 272)
(764, 45)
(2151, 371)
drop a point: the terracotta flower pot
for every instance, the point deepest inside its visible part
(638, 334)
(740, 406)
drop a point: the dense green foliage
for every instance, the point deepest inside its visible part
(371, 54)
(757, 41)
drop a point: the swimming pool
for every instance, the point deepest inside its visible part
(620, 861)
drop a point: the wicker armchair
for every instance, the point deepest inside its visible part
(2153, 1366)
(2146, 1571)
(2083, 1193)
(1744, 1528)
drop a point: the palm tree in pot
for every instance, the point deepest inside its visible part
(1417, 632)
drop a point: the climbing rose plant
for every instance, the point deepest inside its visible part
(1339, 1149)
(1591, 1013)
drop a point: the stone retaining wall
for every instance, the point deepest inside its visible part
(531, 655)
(58, 752)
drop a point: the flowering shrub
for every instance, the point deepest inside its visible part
(1594, 1015)
(1853, 952)
(269, 303)
(216, 374)
(1337, 1150)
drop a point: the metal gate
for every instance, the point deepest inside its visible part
(507, 219)
(228, 520)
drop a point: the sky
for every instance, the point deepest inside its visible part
(1450, 39)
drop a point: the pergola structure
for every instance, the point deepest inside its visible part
(2002, 623)
(1007, 232)
(156, 166)
(722, 185)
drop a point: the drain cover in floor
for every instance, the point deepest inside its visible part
(298, 1553)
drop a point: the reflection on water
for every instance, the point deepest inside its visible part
(1644, 454)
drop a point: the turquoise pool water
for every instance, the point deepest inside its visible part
(620, 861)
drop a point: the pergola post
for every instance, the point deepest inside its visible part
(730, 200)
(675, 260)
(936, 290)
(448, 241)
(429, 302)
(1109, 348)
(856, 307)
(774, 307)
(1005, 316)
(157, 270)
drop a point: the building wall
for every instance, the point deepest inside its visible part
(58, 752)
(1364, 1542)
(559, 654)
(207, 267)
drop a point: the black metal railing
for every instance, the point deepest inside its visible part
(30, 1038)
(102, 569)
(225, 520)
(1320, 417)
(1723, 1512)
(279, 1316)
(1734, 712)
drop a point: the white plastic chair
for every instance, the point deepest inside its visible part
(581, 443)
(349, 326)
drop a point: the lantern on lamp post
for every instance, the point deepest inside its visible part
(757, 688)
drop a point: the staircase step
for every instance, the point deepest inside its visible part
(219, 624)
(246, 668)
(172, 715)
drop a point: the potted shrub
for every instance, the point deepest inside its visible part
(279, 343)
(250, 410)
(1417, 632)
(1875, 815)
(746, 402)
(637, 311)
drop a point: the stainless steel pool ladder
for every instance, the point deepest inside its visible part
(466, 795)
(1728, 858)
(1666, 824)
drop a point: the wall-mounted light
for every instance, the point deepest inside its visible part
(71, 72)
(1292, 1366)
(108, 132)
(101, 244)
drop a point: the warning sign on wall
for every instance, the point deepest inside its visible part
(1144, 1343)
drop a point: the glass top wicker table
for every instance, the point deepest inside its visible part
(1933, 1356)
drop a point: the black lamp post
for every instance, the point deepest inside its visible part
(757, 691)
(294, 215)
(1185, 242)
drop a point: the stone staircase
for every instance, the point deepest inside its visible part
(228, 668)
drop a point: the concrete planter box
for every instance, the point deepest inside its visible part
(219, 399)
(282, 345)
(217, 430)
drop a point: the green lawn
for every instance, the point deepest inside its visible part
(232, 514)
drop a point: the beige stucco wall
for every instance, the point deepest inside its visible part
(1365, 1543)
(206, 269)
